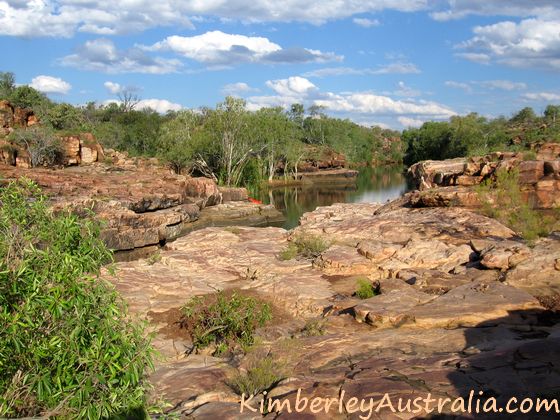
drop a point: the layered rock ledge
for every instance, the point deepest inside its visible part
(463, 305)
(143, 206)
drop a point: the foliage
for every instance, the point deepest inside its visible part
(7, 84)
(261, 374)
(365, 289)
(472, 135)
(314, 327)
(42, 145)
(224, 321)
(304, 245)
(503, 200)
(67, 347)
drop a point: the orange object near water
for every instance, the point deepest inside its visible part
(252, 200)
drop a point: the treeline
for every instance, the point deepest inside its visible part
(473, 135)
(229, 143)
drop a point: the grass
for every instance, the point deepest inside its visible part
(261, 374)
(503, 200)
(306, 246)
(154, 258)
(314, 328)
(365, 289)
(224, 321)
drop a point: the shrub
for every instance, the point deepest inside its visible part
(503, 200)
(307, 246)
(364, 289)
(40, 143)
(67, 347)
(223, 321)
(314, 328)
(262, 373)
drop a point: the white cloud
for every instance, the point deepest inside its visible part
(365, 22)
(501, 84)
(458, 9)
(392, 68)
(62, 18)
(410, 122)
(237, 89)
(113, 88)
(49, 84)
(102, 55)
(532, 42)
(357, 104)
(158, 105)
(458, 85)
(542, 96)
(219, 48)
(506, 85)
(406, 91)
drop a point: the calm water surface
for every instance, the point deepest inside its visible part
(373, 185)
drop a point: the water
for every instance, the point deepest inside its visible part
(373, 185)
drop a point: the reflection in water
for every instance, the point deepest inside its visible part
(373, 185)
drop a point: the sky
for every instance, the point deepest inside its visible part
(393, 63)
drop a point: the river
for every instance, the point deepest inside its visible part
(373, 185)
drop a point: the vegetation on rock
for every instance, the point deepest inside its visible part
(223, 320)
(68, 348)
(306, 246)
(365, 289)
(502, 199)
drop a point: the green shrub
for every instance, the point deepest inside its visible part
(67, 347)
(306, 246)
(261, 374)
(154, 258)
(529, 155)
(364, 289)
(223, 321)
(43, 147)
(503, 200)
(314, 328)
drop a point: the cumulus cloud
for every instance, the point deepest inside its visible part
(237, 89)
(410, 122)
(219, 48)
(392, 68)
(102, 55)
(62, 18)
(458, 85)
(49, 84)
(159, 105)
(365, 22)
(359, 104)
(113, 88)
(533, 42)
(542, 96)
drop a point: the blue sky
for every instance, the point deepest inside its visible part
(394, 63)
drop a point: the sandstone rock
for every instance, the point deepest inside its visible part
(71, 145)
(204, 189)
(87, 155)
(549, 151)
(233, 194)
(530, 171)
(429, 173)
(552, 167)
(504, 255)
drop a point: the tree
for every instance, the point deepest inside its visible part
(65, 117)
(129, 99)
(229, 124)
(42, 146)
(7, 84)
(28, 97)
(176, 140)
(552, 113)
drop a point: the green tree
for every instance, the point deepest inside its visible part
(68, 349)
(7, 84)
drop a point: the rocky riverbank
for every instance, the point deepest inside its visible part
(463, 305)
(143, 205)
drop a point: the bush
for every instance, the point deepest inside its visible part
(223, 321)
(503, 200)
(364, 289)
(40, 143)
(262, 373)
(67, 347)
(306, 246)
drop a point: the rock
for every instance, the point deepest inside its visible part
(549, 151)
(429, 173)
(530, 171)
(504, 255)
(87, 155)
(203, 189)
(233, 194)
(552, 167)
(71, 145)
